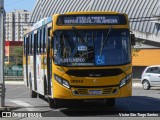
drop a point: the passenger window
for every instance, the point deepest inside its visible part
(30, 44)
(33, 43)
(27, 45)
(24, 43)
(148, 70)
(38, 42)
(44, 40)
(159, 70)
(154, 70)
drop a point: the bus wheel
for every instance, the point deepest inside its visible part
(52, 103)
(41, 96)
(55, 103)
(110, 102)
(33, 94)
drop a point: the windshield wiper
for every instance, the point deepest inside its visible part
(77, 33)
(105, 40)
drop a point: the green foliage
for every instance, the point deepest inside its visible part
(18, 55)
(8, 66)
(136, 49)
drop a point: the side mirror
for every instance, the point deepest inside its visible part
(133, 39)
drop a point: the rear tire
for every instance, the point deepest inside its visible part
(146, 85)
(110, 102)
(33, 94)
(41, 96)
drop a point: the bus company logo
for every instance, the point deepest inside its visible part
(6, 114)
(94, 81)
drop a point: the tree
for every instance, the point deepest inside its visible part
(136, 49)
(18, 55)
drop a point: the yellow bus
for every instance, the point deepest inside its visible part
(79, 56)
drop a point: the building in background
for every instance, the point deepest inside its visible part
(10, 47)
(16, 23)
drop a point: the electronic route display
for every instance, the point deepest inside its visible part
(109, 19)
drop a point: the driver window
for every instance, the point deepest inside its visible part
(65, 49)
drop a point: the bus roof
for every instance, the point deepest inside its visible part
(93, 12)
(41, 23)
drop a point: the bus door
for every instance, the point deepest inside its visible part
(44, 59)
(31, 62)
(34, 58)
(39, 59)
(28, 69)
(49, 61)
(25, 59)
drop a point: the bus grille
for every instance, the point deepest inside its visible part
(95, 72)
(105, 91)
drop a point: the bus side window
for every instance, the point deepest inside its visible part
(33, 43)
(40, 41)
(27, 46)
(30, 44)
(24, 45)
(48, 33)
(44, 40)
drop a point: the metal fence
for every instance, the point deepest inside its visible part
(13, 73)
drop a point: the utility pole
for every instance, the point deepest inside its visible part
(2, 45)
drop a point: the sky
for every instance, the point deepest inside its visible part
(11, 5)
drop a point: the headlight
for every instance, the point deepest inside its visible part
(125, 80)
(61, 81)
(66, 84)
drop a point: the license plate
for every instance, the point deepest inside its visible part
(95, 92)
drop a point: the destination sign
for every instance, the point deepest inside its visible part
(91, 19)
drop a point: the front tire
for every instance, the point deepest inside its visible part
(55, 103)
(146, 85)
(52, 103)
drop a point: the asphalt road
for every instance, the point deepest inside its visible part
(148, 101)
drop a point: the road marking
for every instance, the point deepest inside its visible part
(21, 94)
(137, 85)
(14, 88)
(24, 104)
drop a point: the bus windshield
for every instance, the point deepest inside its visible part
(92, 47)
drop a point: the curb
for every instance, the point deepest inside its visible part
(14, 82)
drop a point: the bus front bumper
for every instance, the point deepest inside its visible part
(60, 92)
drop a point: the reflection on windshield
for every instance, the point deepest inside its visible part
(70, 50)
